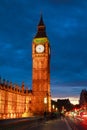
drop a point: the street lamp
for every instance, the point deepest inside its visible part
(45, 103)
(53, 107)
(45, 100)
(56, 109)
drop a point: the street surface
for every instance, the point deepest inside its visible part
(50, 125)
(77, 123)
(67, 123)
(55, 124)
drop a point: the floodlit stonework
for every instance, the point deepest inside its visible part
(17, 102)
(14, 101)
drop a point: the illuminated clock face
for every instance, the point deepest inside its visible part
(39, 48)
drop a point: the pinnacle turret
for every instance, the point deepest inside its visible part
(41, 32)
(41, 23)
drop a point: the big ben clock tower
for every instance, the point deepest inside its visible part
(41, 71)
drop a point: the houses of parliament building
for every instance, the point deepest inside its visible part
(17, 102)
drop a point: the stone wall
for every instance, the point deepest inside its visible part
(14, 100)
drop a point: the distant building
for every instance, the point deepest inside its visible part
(83, 97)
(62, 103)
(18, 101)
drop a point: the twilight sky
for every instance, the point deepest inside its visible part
(66, 27)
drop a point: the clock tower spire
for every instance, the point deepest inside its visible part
(41, 29)
(41, 70)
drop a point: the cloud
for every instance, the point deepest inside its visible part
(73, 100)
(65, 91)
(66, 27)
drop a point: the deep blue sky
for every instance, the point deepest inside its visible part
(66, 27)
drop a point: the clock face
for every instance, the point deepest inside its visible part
(39, 48)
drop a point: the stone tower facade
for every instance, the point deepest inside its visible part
(17, 102)
(41, 70)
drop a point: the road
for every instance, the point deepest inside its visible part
(55, 124)
(77, 123)
(50, 125)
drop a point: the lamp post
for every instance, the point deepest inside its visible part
(45, 103)
(53, 107)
